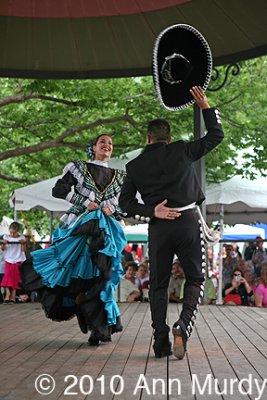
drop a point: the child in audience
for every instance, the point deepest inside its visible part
(14, 255)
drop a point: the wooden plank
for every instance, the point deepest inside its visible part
(47, 354)
(130, 355)
(236, 350)
(227, 343)
(87, 361)
(249, 337)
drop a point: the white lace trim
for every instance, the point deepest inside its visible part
(68, 218)
(111, 203)
(99, 162)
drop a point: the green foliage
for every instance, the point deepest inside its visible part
(67, 106)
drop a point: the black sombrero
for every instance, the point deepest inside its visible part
(181, 59)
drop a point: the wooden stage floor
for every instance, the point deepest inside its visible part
(226, 357)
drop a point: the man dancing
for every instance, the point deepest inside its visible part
(164, 176)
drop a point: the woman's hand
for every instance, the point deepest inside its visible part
(92, 206)
(235, 283)
(243, 280)
(106, 211)
(133, 296)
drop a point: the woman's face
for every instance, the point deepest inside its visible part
(103, 148)
(142, 272)
(237, 276)
(130, 273)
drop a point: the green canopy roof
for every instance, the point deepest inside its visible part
(94, 39)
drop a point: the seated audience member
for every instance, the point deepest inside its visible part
(249, 250)
(132, 272)
(129, 288)
(143, 276)
(229, 264)
(259, 256)
(252, 281)
(176, 284)
(238, 292)
(261, 290)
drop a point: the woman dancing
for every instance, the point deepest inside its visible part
(79, 273)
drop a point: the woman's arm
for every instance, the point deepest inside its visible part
(247, 286)
(258, 299)
(229, 290)
(63, 190)
(133, 296)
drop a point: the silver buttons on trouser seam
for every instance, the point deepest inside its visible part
(189, 327)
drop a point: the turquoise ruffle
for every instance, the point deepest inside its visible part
(70, 257)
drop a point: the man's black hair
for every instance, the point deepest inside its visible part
(159, 130)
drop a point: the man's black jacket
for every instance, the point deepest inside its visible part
(166, 171)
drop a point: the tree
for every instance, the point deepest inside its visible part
(45, 123)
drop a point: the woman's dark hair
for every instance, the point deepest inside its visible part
(131, 264)
(239, 270)
(159, 130)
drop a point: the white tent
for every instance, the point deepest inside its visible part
(136, 233)
(239, 200)
(242, 232)
(39, 195)
(243, 201)
(139, 233)
(4, 225)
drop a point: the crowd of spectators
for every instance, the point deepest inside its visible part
(244, 277)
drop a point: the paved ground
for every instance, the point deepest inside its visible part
(226, 358)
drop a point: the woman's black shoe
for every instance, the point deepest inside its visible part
(96, 337)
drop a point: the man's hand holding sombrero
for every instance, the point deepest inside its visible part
(199, 96)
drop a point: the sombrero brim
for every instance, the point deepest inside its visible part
(187, 41)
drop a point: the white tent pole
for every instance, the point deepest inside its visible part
(51, 224)
(220, 288)
(15, 212)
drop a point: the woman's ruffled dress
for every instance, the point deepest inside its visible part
(78, 274)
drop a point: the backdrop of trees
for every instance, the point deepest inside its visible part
(46, 123)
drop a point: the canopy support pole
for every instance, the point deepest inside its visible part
(220, 288)
(51, 223)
